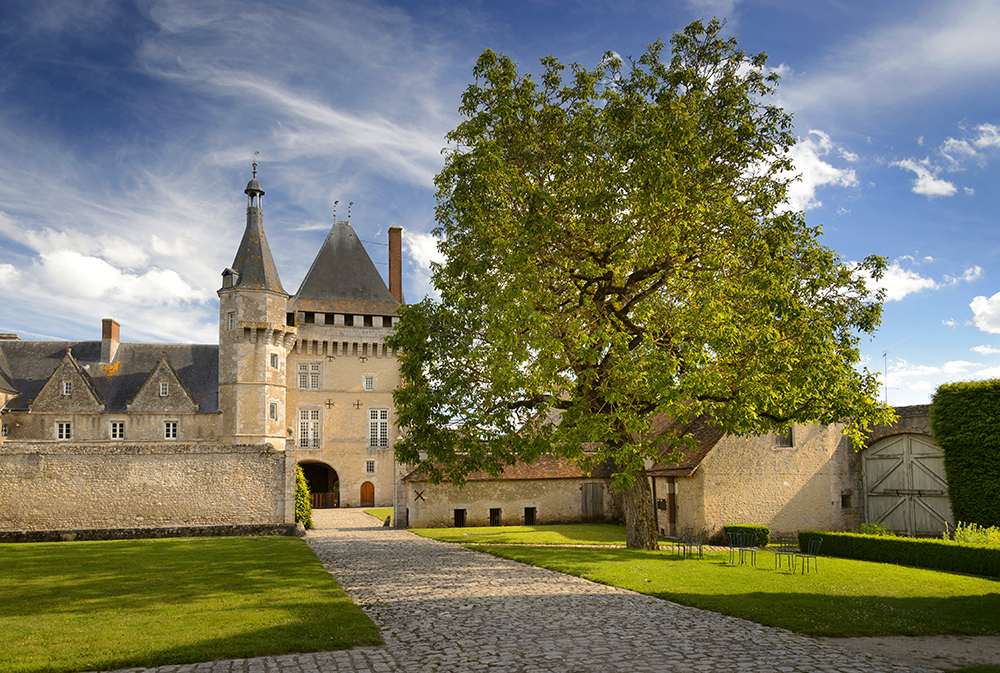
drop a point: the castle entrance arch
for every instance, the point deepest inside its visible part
(324, 484)
(905, 487)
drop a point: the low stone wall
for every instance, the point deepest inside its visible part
(73, 535)
(55, 486)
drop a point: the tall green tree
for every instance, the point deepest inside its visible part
(618, 247)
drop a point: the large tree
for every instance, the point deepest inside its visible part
(618, 248)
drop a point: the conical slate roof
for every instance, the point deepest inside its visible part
(253, 258)
(343, 279)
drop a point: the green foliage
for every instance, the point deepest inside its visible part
(845, 598)
(303, 508)
(873, 529)
(970, 533)
(617, 246)
(101, 606)
(965, 418)
(761, 534)
(918, 552)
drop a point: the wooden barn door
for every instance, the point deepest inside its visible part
(592, 506)
(905, 488)
(367, 494)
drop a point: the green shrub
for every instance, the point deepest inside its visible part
(970, 533)
(964, 417)
(303, 510)
(907, 551)
(873, 529)
(762, 534)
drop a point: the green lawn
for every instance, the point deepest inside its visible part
(380, 512)
(582, 533)
(76, 606)
(845, 598)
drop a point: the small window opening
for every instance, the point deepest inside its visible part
(67, 387)
(845, 500)
(529, 516)
(274, 360)
(64, 430)
(496, 517)
(369, 383)
(170, 430)
(329, 318)
(386, 321)
(290, 319)
(784, 439)
(232, 321)
(370, 466)
(308, 317)
(164, 388)
(117, 430)
(4, 430)
(459, 518)
(272, 411)
(348, 321)
(368, 321)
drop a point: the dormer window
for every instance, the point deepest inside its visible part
(230, 278)
(164, 388)
(67, 387)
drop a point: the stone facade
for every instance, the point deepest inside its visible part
(58, 485)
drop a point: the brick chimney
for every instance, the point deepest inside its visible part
(109, 339)
(396, 263)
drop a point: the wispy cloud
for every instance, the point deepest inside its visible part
(901, 280)
(809, 157)
(926, 183)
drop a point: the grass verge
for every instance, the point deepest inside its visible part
(77, 606)
(583, 533)
(379, 512)
(845, 598)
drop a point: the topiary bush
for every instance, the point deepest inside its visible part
(965, 418)
(303, 509)
(762, 534)
(908, 551)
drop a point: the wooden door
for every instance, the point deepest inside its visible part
(367, 494)
(905, 486)
(592, 503)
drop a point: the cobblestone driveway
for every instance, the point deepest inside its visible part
(444, 608)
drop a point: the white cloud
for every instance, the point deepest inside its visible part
(985, 350)
(950, 322)
(921, 385)
(989, 136)
(986, 312)
(956, 151)
(422, 248)
(807, 156)
(926, 182)
(9, 277)
(898, 282)
(969, 191)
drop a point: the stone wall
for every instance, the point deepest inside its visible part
(53, 486)
(554, 500)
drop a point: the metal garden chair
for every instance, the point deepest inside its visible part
(786, 547)
(811, 553)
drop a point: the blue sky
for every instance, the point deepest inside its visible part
(127, 129)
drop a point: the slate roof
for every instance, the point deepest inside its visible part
(706, 436)
(546, 467)
(253, 258)
(343, 279)
(29, 364)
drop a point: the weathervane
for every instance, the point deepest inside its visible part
(254, 164)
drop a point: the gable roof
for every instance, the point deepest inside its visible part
(31, 363)
(343, 279)
(705, 435)
(151, 399)
(546, 467)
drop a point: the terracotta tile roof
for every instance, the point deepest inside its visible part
(545, 467)
(705, 436)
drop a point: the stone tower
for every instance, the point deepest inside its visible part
(254, 338)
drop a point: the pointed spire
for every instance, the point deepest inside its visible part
(253, 261)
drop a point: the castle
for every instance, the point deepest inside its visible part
(295, 379)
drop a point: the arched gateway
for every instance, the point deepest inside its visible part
(324, 485)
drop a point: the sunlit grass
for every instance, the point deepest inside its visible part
(379, 512)
(77, 606)
(602, 534)
(844, 598)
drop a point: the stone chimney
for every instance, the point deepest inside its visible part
(109, 339)
(396, 263)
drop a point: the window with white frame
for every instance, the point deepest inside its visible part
(4, 430)
(309, 428)
(164, 388)
(67, 387)
(232, 321)
(309, 376)
(272, 411)
(117, 429)
(378, 428)
(369, 382)
(369, 467)
(64, 430)
(274, 360)
(170, 429)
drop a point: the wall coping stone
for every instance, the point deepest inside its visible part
(82, 534)
(57, 448)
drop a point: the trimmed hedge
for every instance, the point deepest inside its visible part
(908, 551)
(965, 418)
(762, 534)
(303, 508)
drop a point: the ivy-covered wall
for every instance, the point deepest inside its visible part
(965, 418)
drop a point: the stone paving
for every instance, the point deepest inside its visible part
(446, 609)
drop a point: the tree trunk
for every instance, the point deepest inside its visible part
(640, 526)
